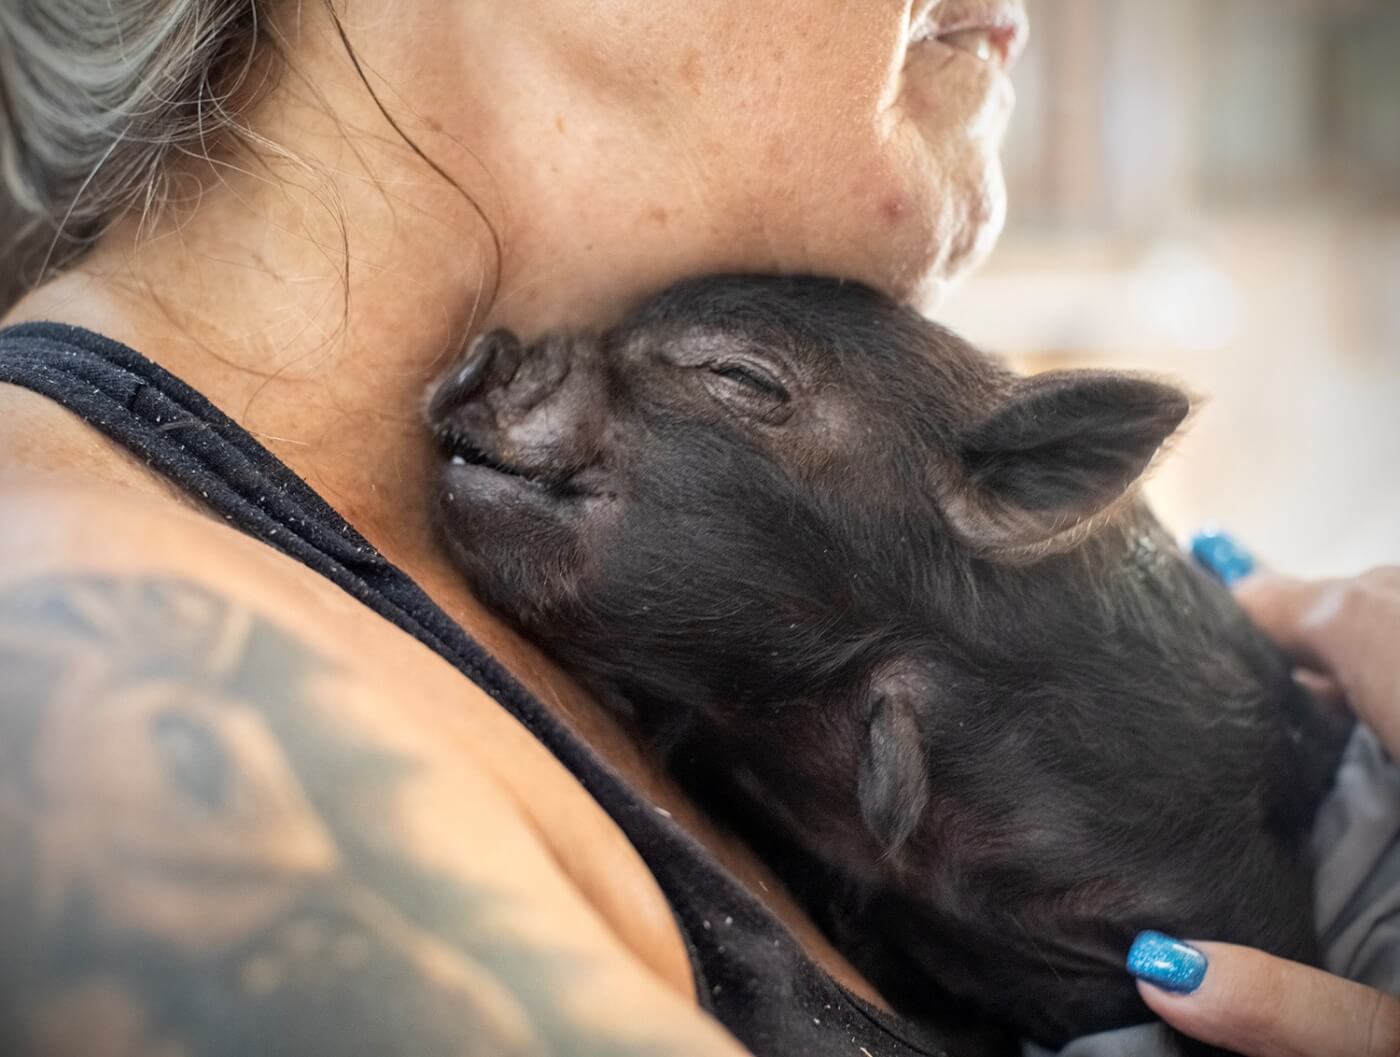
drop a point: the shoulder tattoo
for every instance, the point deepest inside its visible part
(195, 860)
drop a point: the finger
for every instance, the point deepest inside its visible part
(1346, 629)
(1272, 601)
(1275, 603)
(1278, 604)
(1296, 614)
(1323, 689)
(1257, 1005)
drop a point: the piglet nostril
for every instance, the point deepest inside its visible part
(469, 378)
(465, 382)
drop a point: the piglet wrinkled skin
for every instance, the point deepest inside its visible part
(898, 613)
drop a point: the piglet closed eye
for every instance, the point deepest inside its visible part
(902, 617)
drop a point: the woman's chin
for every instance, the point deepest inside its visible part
(927, 281)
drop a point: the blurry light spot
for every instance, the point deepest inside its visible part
(1184, 298)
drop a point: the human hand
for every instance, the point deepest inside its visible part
(1344, 635)
(1347, 630)
(1257, 1005)
(1342, 632)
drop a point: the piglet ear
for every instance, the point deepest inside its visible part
(892, 778)
(1061, 448)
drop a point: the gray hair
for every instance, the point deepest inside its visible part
(96, 98)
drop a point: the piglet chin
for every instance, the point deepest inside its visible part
(484, 493)
(490, 511)
(477, 482)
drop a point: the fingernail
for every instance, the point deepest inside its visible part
(1221, 555)
(1168, 963)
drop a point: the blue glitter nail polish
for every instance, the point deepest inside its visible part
(1168, 963)
(1220, 555)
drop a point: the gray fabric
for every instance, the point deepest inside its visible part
(1356, 842)
(1358, 877)
(1145, 1040)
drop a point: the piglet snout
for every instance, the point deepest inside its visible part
(509, 378)
(490, 361)
(533, 410)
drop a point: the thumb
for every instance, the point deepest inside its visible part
(1257, 1005)
(1344, 629)
(1278, 604)
(1295, 614)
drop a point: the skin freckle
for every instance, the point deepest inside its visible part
(692, 71)
(892, 208)
(559, 123)
(658, 215)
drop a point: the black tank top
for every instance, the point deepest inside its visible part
(749, 971)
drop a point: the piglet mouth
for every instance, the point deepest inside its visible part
(503, 425)
(467, 457)
(462, 451)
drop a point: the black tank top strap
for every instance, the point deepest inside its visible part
(749, 971)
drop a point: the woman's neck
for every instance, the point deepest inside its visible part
(314, 305)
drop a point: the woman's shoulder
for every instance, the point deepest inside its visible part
(43, 441)
(240, 795)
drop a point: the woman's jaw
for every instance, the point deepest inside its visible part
(662, 139)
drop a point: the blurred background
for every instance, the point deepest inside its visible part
(1210, 189)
